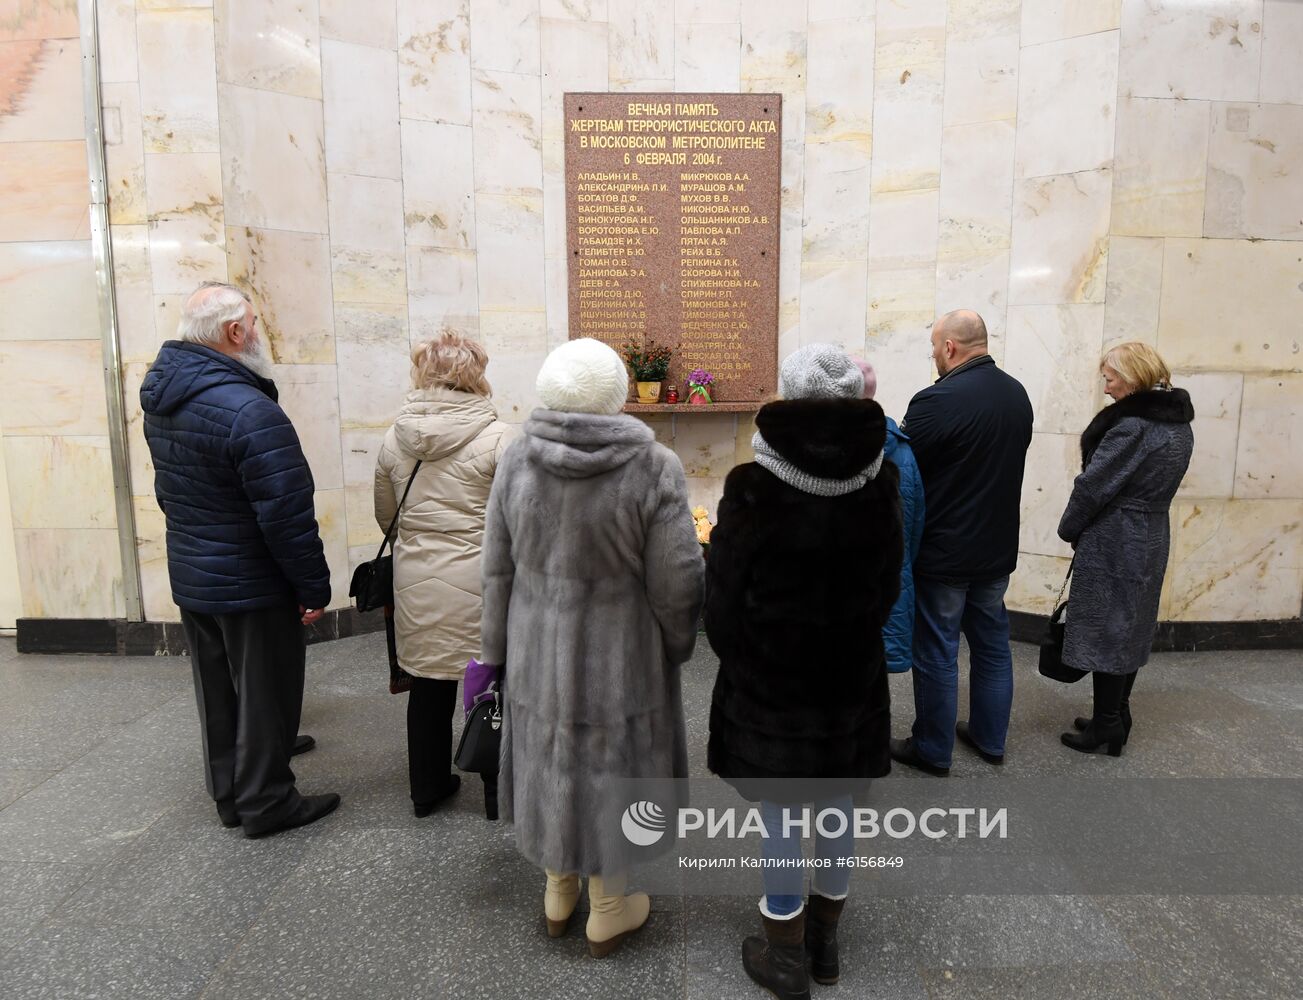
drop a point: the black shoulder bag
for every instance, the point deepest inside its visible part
(481, 739)
(372, 586)
(1051, 663)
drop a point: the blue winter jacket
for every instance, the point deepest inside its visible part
(898, 634)
(233, 483)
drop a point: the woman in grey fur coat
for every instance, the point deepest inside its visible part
(1134, 456)
(593, 583)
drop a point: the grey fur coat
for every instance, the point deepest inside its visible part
(592, 589)
(1134, 456)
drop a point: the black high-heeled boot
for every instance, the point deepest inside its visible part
(1124, 710)
(1105, 727)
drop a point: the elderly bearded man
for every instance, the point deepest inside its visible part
(243, 553)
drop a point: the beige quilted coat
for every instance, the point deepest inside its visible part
(459, 440)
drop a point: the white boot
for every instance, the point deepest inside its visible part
(613, 916)
(559, 901)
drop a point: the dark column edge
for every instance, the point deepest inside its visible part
(118, 637)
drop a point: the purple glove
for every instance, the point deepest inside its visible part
(478, 678)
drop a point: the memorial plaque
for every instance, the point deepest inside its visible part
(672, 221)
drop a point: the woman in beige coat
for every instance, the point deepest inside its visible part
(447, 424)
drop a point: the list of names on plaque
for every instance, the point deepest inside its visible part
(672, 222)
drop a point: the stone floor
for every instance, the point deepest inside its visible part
(116, 879)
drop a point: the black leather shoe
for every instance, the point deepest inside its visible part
(423, 809)
(310, 809)
(302, 744)
(1082, 721)
(1107, 733)
(961, 730)
(903, 752)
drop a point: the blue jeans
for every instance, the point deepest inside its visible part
(941, 612)
(785, 887)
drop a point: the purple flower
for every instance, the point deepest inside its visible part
(699, 376)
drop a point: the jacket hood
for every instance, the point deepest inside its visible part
(829, 438)
(580, 445)
(434, 423)
(183, 370)
(895, 438)
(1164, 406)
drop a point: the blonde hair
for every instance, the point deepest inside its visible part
(451, 361)
(1139, 365)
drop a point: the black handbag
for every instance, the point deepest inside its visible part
(1051, 663)
(372, 586)
(481, 739)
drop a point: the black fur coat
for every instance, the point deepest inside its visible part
(798, 589)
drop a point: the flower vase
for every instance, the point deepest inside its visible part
(649, 392)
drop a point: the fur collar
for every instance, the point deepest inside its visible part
(828, 438)
(1164, 406)
(580, 445)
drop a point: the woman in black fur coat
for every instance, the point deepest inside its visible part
(803, 571)
(1133, 456)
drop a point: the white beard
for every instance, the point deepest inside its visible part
(257, 358)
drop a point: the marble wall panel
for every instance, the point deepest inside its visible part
(837, 10)
(707, 58)
(434, 60)
(360, 86)
(359, 509)
(1054, 351)
(40, 97)
(1217, 398)
(1060, 238)
(60, 482)
(1282, 41)
(442, 291)
(707, 11)
(438, 185)
(52, 387)
(836, 189)
(1067, 94)
(273, 160)
(1231, 305)
(575, 59)
(117, 30)
(1237, 560)
(555, 282)
(1052, 463)
(1211, 50)
(332, 524)
(903, 230)
(839, 85)
(39, 20)
(505, 36)
(269, 45)
(1271, 427)
(1035, 585)
(898, 321)
(1050, 20)
(574, 10)
(372, 23)
(773, 51)
(1158, 176)
(309, 394)
(834, 297)
(288, 275)
(508, 153)
(183, 200)
(178, 80)
(47, 291)
(976, 205)
(705, 444)
(910, 33)
(70, 573)
(982, 57)
(1133, 290)
(140, 463)
(46, 186)
(373, 349)
(981, 283)
(151, 555)
(641, 45)
(513, 381)
(361, 446)
(1255, 172)
(907, 127)
(366, 213)
(124, 153)
(510, 258)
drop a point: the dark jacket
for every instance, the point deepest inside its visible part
(970, 432)
(798, 589)
(233, 483)
(1133, 455)
(898, 635)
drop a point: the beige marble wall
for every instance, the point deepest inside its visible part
(1080, 173)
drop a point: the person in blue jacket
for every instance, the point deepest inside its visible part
(898, 633)
(244, 555)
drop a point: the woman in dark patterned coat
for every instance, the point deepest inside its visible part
(1134, 456)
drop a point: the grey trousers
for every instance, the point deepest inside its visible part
(248, 673)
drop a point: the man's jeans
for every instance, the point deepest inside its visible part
(941, 612)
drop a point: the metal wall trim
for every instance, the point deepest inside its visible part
(102, 251)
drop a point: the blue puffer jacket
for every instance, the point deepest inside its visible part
(898, 634)
(233, 483)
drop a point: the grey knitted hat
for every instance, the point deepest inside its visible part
(820, 371)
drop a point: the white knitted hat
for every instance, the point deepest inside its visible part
(583, 376)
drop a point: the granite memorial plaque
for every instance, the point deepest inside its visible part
(672, 223)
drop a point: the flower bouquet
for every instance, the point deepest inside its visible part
(702, 521)
(699, 383)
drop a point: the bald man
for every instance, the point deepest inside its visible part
(970, 431)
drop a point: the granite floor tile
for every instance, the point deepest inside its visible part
(16, 782)
(31, 891)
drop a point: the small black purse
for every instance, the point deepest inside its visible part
(372, 586)
(1051, 663)
(481, 739)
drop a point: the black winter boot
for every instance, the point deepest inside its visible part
(776, 961)
(821, 916)
(1105, 728)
